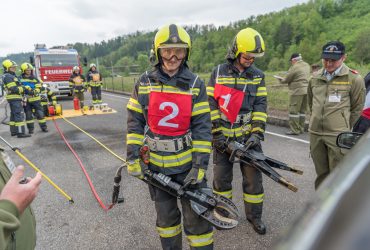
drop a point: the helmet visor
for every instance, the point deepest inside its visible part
(169, 52)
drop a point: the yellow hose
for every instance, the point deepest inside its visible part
(43, 175)
(92, 137)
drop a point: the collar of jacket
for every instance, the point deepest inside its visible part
(321, 73)
(93, 71)
(182, 79)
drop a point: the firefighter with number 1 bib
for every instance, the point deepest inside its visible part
(169, 113)
(237, 97)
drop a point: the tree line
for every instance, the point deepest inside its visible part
(303, 28)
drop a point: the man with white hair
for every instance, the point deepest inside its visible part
(297, 80)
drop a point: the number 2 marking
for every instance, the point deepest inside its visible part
(175, 112)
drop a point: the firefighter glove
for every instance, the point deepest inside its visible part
(195, 176)
(219, 141)
(254, 140)
(134, 169)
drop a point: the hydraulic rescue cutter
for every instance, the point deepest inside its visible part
(261, 162)
(217, 209)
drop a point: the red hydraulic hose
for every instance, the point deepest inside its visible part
(104, 207)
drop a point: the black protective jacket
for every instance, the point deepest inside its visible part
(184, 82)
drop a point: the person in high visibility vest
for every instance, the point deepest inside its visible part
(168, 112)
(237, 98)
(94, 80)
(33, 103)
(77, 82)
(14, 96)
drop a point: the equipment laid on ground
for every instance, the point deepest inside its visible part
(218, 210)
(55, 110)
(261, 162)
(103, 107)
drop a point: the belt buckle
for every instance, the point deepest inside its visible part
(180, 144)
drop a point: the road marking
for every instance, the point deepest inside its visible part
(1, 102)
(118, 96)
(267, 132)
(288, 137)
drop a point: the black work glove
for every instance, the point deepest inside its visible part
(254, 140)
(219, 141)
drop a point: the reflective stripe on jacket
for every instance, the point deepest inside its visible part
(12, 86)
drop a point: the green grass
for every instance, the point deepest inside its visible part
(277, 95)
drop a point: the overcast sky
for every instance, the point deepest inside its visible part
(58, 22)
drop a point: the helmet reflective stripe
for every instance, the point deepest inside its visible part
(8, 64)
(26, 66)
(247, 41)
(171, 36)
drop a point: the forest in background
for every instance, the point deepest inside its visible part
(303, 28)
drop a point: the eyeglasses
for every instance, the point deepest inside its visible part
(168, 53)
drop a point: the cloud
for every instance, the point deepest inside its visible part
(60, 22)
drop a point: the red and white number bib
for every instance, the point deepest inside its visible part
(229, 100)
(169, 114)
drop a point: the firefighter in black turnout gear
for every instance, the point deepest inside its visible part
(14, 96)
(47, 97)
(33, 100)
(168, 112)
(77, 83)
(237, 98)
(94, 80)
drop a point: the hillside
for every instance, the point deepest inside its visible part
(303, 28)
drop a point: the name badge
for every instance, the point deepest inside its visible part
(334, 98)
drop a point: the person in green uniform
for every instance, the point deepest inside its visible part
(297, 80)
(17, 221)
(336, 97)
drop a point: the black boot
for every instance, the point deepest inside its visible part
(23, 135)
(30, 131)
(45, 130)
(258, 225)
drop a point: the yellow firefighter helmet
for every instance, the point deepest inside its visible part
(7, 64)
(25, 66)
(247, 41)
(171, 36)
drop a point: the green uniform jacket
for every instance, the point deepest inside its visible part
(335, 105)
(16, 232)
(297, 78)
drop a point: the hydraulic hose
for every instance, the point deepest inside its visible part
(102, 205)
(92, 137)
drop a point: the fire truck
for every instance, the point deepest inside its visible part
(54, 66)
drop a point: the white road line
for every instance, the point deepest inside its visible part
(288, 137)
(267, 132)
(1, 102)
(118, 96)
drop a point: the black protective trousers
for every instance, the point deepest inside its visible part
(199, 232)
(96, 94)
(34, 109)
(16, 123)
(252, 183)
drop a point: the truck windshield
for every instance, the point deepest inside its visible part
(58, 60)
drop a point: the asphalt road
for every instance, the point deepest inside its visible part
(131, 225)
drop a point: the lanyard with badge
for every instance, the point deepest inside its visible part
(335, 97)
